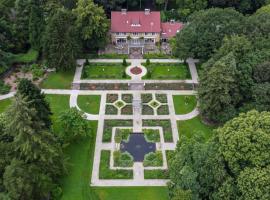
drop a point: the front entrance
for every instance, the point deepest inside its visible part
(136, 53)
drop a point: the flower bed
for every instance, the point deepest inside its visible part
(127, 98)
(109, 124)
(166, 126)
(146, 98)
(111, 110)
(151, 135)
(111, 98)
(122, 159)
(162, 98)
(147, 110)
(122, 135)
(163, 110)
(136, 70)
(127, 110)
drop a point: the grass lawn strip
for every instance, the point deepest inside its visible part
(184, 104)
(89, 103)
(170, 71)
(194, 126)
(166, 126)
(58, 80)
(104, 71)
(106, 173)
(109, 124)
(4, 104)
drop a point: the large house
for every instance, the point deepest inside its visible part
(137, 27)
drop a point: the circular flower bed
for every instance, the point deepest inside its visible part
(136, 70)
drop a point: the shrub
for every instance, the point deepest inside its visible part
(86, 63)
(122, 159)
(4, 89)
(153, 159)
(151, 135)
(124, 62)
(122, 135)
(147, 62)
(74, 124)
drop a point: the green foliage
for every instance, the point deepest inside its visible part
(122, 159)
(218, 90)
(261, 72)
(153, 159)
(36, 24)
(151, 135)
(74, 125)
(124, 62)
(147, 62)
(244, 141)
(205, 31)
(186, 7)
(29, 57)
(30, 91)
(61, 43)
(260, 96)
(122, 135)
(92, 23)
(4, 89)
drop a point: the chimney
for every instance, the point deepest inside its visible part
(123, 11)
(146, 11)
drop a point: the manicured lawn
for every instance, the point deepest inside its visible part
(193, 127)
(89, 103)
(4, 104)
(104, 71)
(132, 193)
(184, 104)
(58, 80)
(30, 56)
(170, 71)
(58, 104)
(75, 185)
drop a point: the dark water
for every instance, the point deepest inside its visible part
(138, 146)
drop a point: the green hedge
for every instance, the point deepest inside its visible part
(107, 56)
(157, 56)
(122, 159)
(151, 135)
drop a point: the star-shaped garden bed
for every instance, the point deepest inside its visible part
(138, 147)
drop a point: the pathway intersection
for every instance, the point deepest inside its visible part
(136, 89)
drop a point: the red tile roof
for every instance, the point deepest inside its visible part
(135, 22)
(169, 29)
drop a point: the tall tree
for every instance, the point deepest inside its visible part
(219, 90)
(187, 7)
(21, 25)
(61, 43)
(36, 24)
(205, 31)
(37, 101)
(92, 23)
(234, 164)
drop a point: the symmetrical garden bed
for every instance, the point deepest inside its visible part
(109, 124)
(155, 104)
(165, 124)
(119, 104)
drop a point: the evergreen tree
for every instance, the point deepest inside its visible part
(37, 101)
(61, 43)
(36, 24)
(21, 25)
